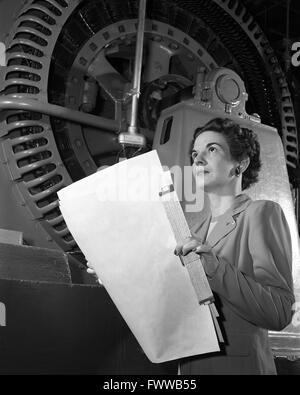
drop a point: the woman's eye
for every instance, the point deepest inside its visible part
(212, 149)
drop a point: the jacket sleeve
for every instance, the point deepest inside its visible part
(264, 298)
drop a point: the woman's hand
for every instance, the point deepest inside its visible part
(91, 270)
(192, 243)
(201, 248)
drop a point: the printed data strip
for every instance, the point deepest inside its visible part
(191, 261)
(181, 232)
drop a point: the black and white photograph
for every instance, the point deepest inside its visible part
(149, 190)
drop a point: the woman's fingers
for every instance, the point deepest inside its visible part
(89, 265)
(188, 245)
(203, 249)
(90, 270)
(178, 248)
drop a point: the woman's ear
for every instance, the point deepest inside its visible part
(244, 164)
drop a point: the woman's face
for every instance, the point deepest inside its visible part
(213, 166)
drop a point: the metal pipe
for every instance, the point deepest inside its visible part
(138, 66)
(68, 114)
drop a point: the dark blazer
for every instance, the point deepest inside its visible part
(252, 283)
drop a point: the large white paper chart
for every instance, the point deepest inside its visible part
(120, 224)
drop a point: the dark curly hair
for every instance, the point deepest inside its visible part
(242, 143)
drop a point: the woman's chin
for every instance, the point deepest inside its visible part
(200, 186)
(205, 187)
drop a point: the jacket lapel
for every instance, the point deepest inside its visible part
(228, 222)
(201, 227)
(221, 229)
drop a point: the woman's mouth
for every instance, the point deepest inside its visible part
(201, 171)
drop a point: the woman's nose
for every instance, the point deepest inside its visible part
(199, 158)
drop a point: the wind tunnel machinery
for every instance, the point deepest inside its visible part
(79, 55)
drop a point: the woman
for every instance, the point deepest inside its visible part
(245, 249)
